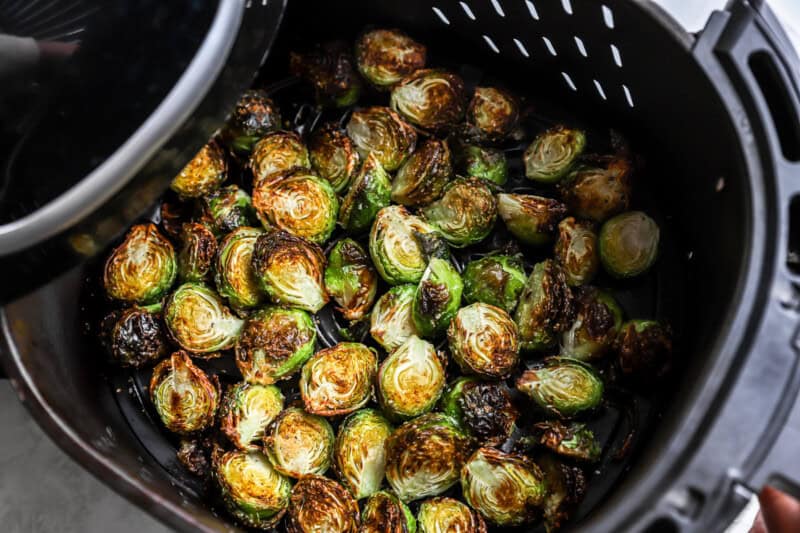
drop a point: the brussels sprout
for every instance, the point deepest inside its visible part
(368, 194)
(142, 268)
(320, 504)
(385, 57)
(424, 456)
(277, 152)
(598, 319)
(437, 298)
(184, 397)
(423, 176)
(134, 337)
(483, 409)
(359, 456)
(385, 513)
(197, 252)
(290, 270)
(226, 209)
(298, 202)
(254, 116)
(495, 280)
(391, 322)
(507, 489)
(546, 307)
(644, 349)
(381, 131)
(338, 380)
(194, 453)
(246, 411)
(274, 344)
(598, 191)
(254, 492)
(566, 488)
(553, 153)
(575, 440)
(401, 244)
(199, 321)
(449, 404)
(203, 174)
(483, 163)
(492, 113)
(432, 99)
(442, 515)
(334, 156)
(173, 215)
(531, 219)
(563, 387)
(328, 67)
(298, 443)
(465, 214)
(576, 250)
(235, 277)
(628, 244)
(483, 341)
(350, 279)
(411, 379)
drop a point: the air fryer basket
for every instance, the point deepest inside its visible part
(716, 118)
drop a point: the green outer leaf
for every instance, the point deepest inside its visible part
(369, 193)
(437, 298)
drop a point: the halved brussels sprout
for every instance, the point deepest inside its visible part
(385, 57)
(298, 443)
(599, 190)
(197, 253)
(277, 152)
(432, 99)
(203, 174)
(334, 156)
(483, 409)
(290, 270)
(142, 268)
(561, 386)
(254, 492)
(328, 67)
(424, 456)
(274, 344)
(483, 163)
(546, 307)
(423, 176)
(381, 131)
(359, 456)
(575, 440)
(401, 244)
(465, 213)
(449, 404)
(495, 280)
(493, 113)
(184, 397)
(368, 194)
(134, 337)
(411, 379)
(338, 380)
(644, 349)
(628, 244)
(483, 341)
(350, 279)
(235, 277)
(437, 298)
(576, 250)
(553, 153)
(391, 322)
(254, 116)
(299, 202)
(443, 515)
(507, 489)
(199, 321)
(598, 319)
(320, 504)
(531, 219)
(385, 513)
(246, 411)
(566, 487)
(226, 209)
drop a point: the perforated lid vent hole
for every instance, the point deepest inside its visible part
(600, 90)
(498, 8)
(569, 81)
(532, 9)
(549, 45)
(441, 15)
(628, 95)
(491, 44)
(467, 10)
(581, 47)
(521, 48)
(264, 2)
(608, 17)
(616, 55)
(567, 5)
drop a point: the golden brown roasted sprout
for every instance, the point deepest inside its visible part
(598, 189)
(628, 244)
(531, 219)
(431, 99)
(197, 253)
(321, 504)
(576, 250)
(235, 278)
(598, 319)
(553, 154)
(334, 156)
(381, 131)
(423, 176)
(465, 214)
(142, 268)
(277, 152)
(199, 321)
(359, 455)
(384, 57)
(483, 340)
(386, 513)
(246, 411)
(184, 397)
(338, 380)
(328, 67)
(546, 307)
(561, 386)
(441, 515)
(411, 379)
(492, 113)
(298, 443)
(203, 174)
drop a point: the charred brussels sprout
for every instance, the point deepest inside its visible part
(274, 344)
(174, 214)
(483, 163)
(437, 298)
(553, 153)
(254, 116)
(391, 322)
(644, 349)
(246, 411)
(600, 190)
(531, 219)
(203, 174)
(184, 397)
(441, 515)
(197, 252)
(424, 456)
(385, 513)
(359, 456)
(320, 504)
(411, 379)
(235, 277)
(134, 337)
(298, 443)
(493, 113)
(334, 156)
(507, 489)
(575, 440)
(142, 268)
(290, 270)
(495, 280)
(598, 319)
(484, 409)
(385, 57)
(432, 99)
(576, 251)
(566, 488)
(381, 131)
(449, 404)
(465, 214)
(423, 176)
(227, 209)
(329, 69)
(277, 152)
(483, 341)
(199, 321)
(194, 453)
(628, 244)
(368, 194)
(563, 387)
(350, 279)
(338, 380)
(546, 307)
